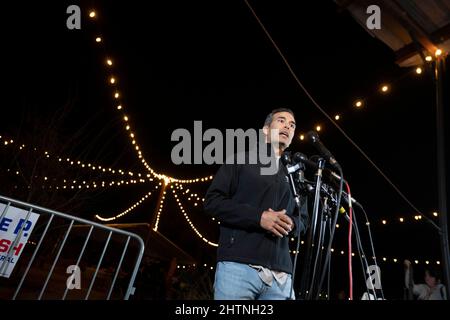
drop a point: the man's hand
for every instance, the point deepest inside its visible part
(277, 222)
(407, 263)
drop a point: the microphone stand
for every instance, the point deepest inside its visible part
(333, 226)
(324, 215)
(291, 170)
(321, 165)
(299, 170)
(310, 243)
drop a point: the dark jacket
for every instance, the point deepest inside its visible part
(237, 197)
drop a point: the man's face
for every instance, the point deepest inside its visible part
(285, 123)
(429, 280)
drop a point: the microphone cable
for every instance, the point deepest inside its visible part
(350, 271)
(371, 244)
(317, 243)
(360, 247)
(297, 248)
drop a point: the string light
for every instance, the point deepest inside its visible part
(76, 163)
(429, 58)
(160, 207)
(193, 197)
(98, 39)
(419, 70)
(302, 137)
(103, 183)
(92, 14)
(123, 213)
(183, 211)
(93, 184)
(384, 259)
(137, 147)
(438, 52)
(359, 103)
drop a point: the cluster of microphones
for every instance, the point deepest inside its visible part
(297, 163)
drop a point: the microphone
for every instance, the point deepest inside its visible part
(346, 199)
(286, 158)
(312, 163)
(291, 169)
(299, 157)
(293, 163)
(313, 138)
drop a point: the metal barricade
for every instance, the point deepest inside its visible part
(53, 250)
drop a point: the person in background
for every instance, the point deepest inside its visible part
(432, 289)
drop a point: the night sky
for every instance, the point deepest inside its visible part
(181, 61)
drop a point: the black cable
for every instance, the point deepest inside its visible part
(371, 243)
(295, 263)
(333, 228)
(318, 255)
(362, 254)
(329, 267)
(360, 249)
(297, 249)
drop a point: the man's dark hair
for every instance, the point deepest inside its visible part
(269, 117)
(434, 272)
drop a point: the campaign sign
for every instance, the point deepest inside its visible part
(11, 225)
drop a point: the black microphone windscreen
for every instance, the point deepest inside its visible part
(286, 158)
(299, 157)
(312, 137)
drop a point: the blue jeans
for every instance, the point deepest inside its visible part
(238, 281)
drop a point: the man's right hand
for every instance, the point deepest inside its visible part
(407, 263)
(277, 222)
